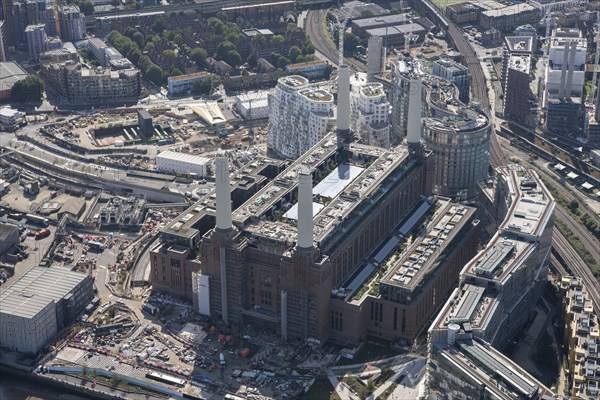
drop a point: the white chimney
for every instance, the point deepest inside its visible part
(223, 199)
(568, 88)
(413, 135)
(563, 72)
(305, 210)
(343, 106)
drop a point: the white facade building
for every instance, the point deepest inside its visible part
(253, 105)
(371, 114)
(172, 162)
(10, 119)
(184, 83)
(565, 75)
(39, 304)
(299, 116)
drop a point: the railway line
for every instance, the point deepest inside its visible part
(575, 263)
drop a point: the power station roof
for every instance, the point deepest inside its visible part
(337, 180)
(36, 289)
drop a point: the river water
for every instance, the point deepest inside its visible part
(18, 388)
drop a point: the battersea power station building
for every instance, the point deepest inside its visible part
(345, 241)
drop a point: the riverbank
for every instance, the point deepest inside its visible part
(19, 385)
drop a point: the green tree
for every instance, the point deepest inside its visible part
(115, 3)
(169, 56)
(224, 48)
(573, 206)
(86, 7)
(251, 60)
(207, 85)
(351, 42)
(154, 74)
(309, 49)
(293, 53)
(233, 58)
(28, 90)
(158, 25)
(174, 72)
(134, 55)
(327, 72)
(199, 55)
(139, 39)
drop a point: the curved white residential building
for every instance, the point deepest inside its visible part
(370, 116)
(299, 116)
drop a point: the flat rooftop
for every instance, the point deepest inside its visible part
(520, 62)
(306, 64)
(361, 183)
(394, 19)
(36, 289)
(519, 44)
(372, 89)
(293, 81)
(197, 75)
(320, 95)
(419, 260)
(501, 376)
(396, 30)
(10, 73)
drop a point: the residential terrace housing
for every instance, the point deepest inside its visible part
(582, 340)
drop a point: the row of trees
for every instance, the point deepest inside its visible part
(130, 49)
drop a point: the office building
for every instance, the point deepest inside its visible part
(10, 73)
(39, 304)
(514, 46)
(371, 114)
(184, 84)
(582, 339)
(517, 93)
(567, 54)
(507, 18)
(72, 23)
(457, 136)
(493, 302)
(300, 115)
(565, 79)
(36, 40)
(145, 123)
(418, 275)
(181, 163)
(375, 58)
(456, 73)
(528, 30)
(11, 119)
(460, 151)
(253, 105)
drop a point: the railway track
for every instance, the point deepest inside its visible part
(576, 264)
